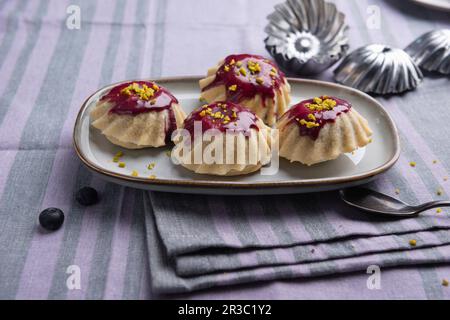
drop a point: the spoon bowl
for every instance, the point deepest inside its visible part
(378, 203)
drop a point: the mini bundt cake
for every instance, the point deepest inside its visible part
(223, 138)
(137, 115)
(251, 81)
(321, 129)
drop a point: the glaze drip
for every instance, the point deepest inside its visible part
(313, 114)
(245, 76)
(223, 116)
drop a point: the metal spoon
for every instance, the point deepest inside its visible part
(379, 203)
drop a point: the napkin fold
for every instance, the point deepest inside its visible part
(201, 241)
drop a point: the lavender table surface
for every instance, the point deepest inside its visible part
(47, 70)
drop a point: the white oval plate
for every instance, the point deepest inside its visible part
(96, 152)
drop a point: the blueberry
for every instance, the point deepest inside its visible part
(51, 218)
(87, 196)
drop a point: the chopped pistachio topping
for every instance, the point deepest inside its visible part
(321, 104)
(243, 71)
(308, 124)
(151, 166)
(238, 64)
(121, 164)
(143, 92)
(118, 154)
(226, 68)
(253, 66)
(438, 210)
(233, 87)
(412, 164)
(134, 173)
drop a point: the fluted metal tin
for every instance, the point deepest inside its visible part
(379, 69)
(431, 51)
(306, 37)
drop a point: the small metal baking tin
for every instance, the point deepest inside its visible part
(379, 69)
(305, 37)
(431, 51)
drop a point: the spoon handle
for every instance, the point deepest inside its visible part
(433, 204)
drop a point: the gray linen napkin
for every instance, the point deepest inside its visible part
(200, 241)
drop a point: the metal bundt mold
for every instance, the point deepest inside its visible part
(379, 69)
(305, 37)
(431, 51)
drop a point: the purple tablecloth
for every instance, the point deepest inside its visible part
(47, 70)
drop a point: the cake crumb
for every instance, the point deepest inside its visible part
(445, 282)
(397, 191)
(435, 161)
(439, 192)
(134, 173)
(168, 153)
(152, 177)
(412, 243)
(445, 178)
(412, 164)
(121, 164)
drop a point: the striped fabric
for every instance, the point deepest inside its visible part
(47, 70)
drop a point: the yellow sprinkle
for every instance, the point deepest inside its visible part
(438, 210)
(397, 191)
(412, 164)
(308, 124)
(243, 71)
(151, 166)
(233, 87)
(121, 164)
(445, 282)
(317, 100)
(134, 173)
(259, 80)
(254, 67)
(412, 242)
(152, 176)
(439, 192)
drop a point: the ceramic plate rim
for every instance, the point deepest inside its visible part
(320, 182)
(432, 5)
